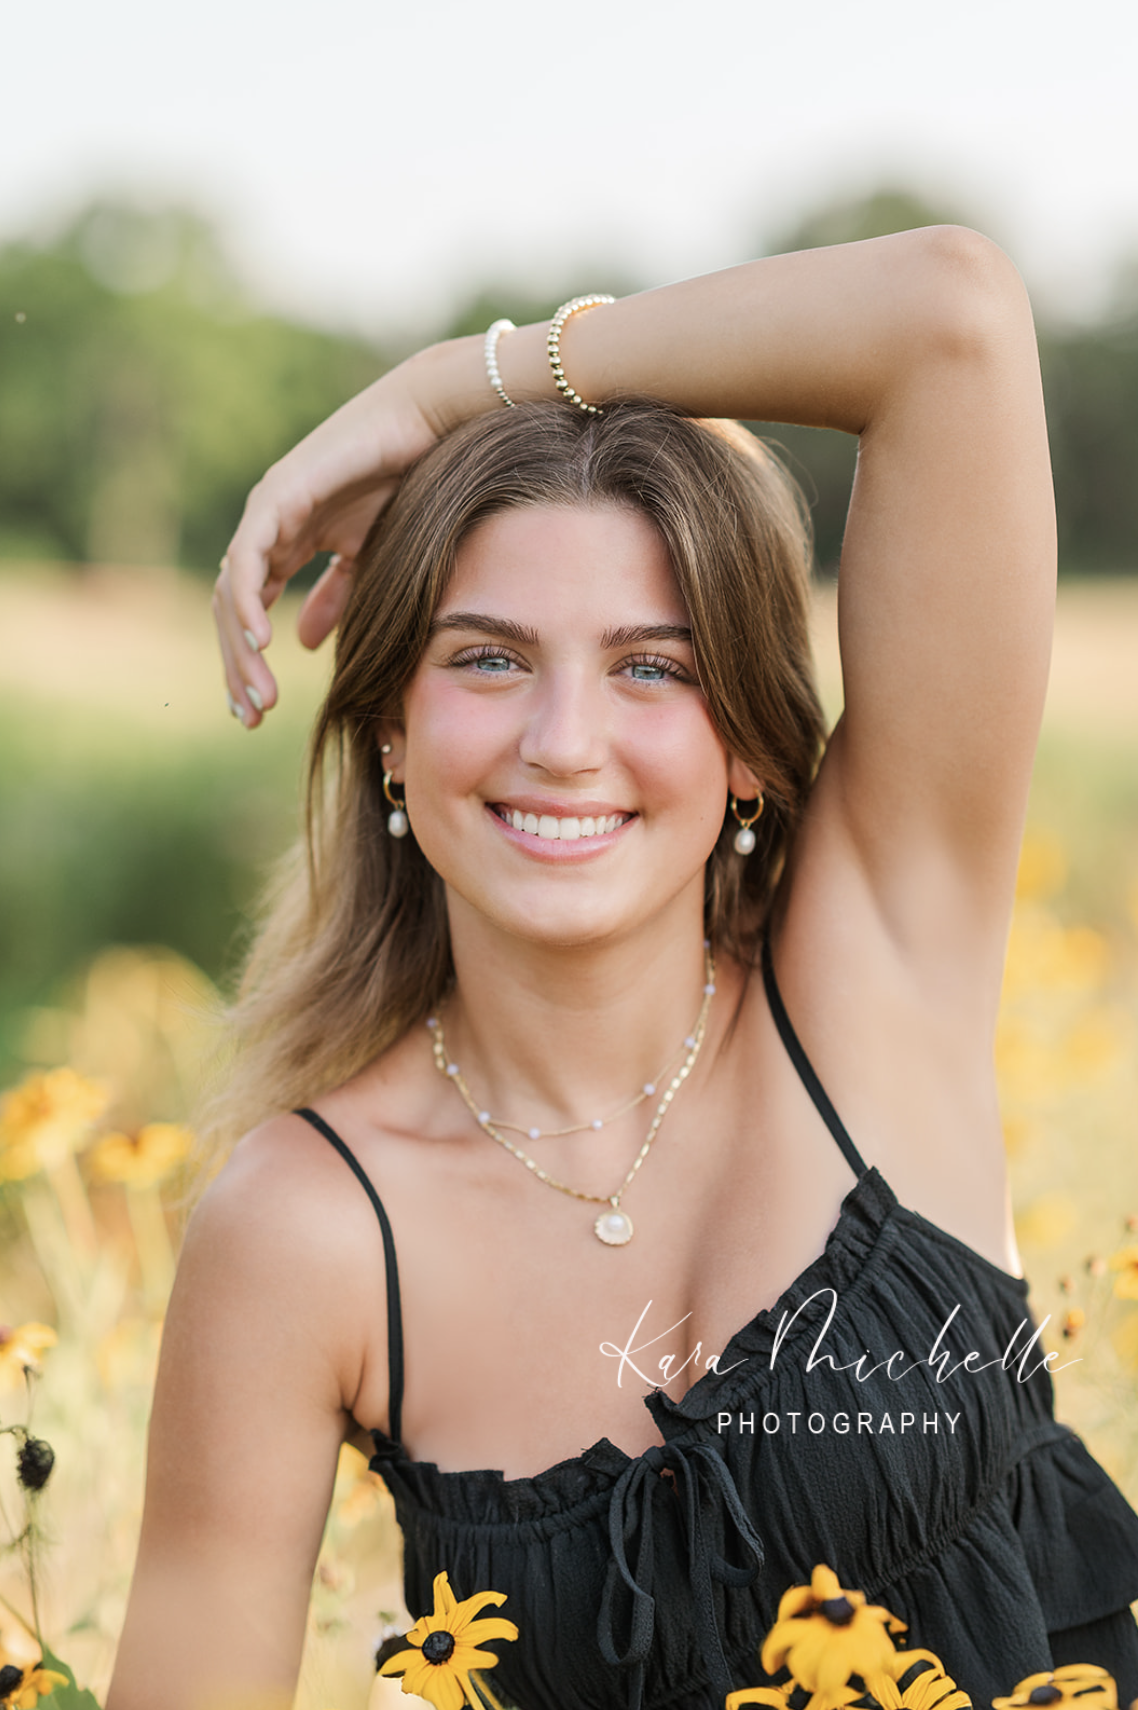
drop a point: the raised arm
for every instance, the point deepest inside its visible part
(922, 344)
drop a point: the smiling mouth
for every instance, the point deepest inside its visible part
(554, 830)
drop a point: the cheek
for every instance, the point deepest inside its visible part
(452, 734)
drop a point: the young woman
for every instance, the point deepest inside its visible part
(609, 1044)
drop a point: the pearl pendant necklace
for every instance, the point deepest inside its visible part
(613, 1226)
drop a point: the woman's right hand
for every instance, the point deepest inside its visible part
(323, 496)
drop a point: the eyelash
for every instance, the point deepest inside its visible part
(655, 661)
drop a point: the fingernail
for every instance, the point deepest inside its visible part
(255, 698)
(236, 709)
(251, 641)
(224, 565)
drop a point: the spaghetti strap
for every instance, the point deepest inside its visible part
(805, 1068)
(394, 1311)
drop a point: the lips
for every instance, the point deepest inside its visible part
(551, 828)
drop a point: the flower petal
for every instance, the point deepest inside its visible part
(491, 1627)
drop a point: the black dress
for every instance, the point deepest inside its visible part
(936, 1481)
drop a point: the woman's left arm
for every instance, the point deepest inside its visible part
(922, 344)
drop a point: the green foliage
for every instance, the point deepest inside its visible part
(130, 845)
(69, 1697)
(142, 397)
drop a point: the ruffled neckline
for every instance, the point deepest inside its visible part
(871, 1221)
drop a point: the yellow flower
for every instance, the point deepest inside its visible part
(142, 1159)
(21, 1688)
(445, 1647)
(930, 1689)
(1125, 1263)
(775, 1697)
(44, 1119)
(1081, 1684)
(824, 1634)
(20, 1350)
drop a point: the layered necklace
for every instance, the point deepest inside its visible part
(612, 1226)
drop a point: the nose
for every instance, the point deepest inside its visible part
(566, 728)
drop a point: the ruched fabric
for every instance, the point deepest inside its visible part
(891, 1415)
(987, 1533)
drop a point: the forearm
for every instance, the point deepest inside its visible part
(821, 337)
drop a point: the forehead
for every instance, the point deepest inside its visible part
(551, 562)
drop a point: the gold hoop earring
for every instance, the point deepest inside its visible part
(745, 837)
(397, 821)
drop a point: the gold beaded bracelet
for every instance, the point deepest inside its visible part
(553, 346)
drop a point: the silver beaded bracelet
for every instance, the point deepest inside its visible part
(553, 346)
(490, 350)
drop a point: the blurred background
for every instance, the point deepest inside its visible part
(216, 225)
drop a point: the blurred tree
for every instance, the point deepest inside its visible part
(141, 395)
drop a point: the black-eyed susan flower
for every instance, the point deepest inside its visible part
(20, 1350)
(1078, 1684)
(445, 1647)
(774, 1697)
(1125, 1263)
(22, 1688)
(45, 1119)
(929, 1689)
(1073, 1321)
(825, 1634)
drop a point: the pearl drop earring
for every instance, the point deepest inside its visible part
(745, 837)
(397, 822)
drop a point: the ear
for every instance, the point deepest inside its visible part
(392, 744)
(741, 781)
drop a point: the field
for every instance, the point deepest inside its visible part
(120, 759)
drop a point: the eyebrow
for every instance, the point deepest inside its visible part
(505, 629)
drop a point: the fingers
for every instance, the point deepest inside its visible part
(250, 685)
(326, 601)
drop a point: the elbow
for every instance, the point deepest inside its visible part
(975, 301)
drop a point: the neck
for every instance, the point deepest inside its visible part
(550, 1036)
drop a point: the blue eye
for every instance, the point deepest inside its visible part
(493, 663)
(651, 669)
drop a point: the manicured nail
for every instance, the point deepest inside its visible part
(224, 565)
(255, 698)
(236, 709)
(251, 641)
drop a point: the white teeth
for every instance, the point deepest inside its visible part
(551, 829)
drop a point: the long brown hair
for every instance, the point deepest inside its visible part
(355, 945)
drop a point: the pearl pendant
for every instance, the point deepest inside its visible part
(397, 823)
(613, 1227)
(744, 840)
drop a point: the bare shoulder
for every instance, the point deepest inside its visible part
(263, 1351)
(286, 1228)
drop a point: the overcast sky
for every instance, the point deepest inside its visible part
(370, 162)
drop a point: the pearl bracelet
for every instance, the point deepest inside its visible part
(553, 346)
(490, 351)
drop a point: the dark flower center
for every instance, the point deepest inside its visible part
(1044, 1695)
(438, 1647)
(34, 1463)
(839, 1611)
(10, 1678)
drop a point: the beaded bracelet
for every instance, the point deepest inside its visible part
(553, 346)
(490, 350)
